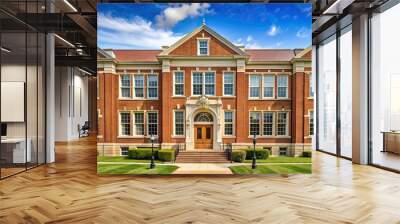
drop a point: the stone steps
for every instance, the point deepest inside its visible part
(201, 157)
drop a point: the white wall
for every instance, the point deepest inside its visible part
(71, 102)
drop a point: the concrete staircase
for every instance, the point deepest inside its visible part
(201, 157)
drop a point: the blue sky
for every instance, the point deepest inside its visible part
(150, 26)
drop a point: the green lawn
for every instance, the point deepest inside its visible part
(273, 169)
(283, 159)
(123, 159)
(134, 169)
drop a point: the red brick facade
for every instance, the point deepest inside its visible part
(222, 57)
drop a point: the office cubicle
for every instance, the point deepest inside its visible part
(22, 77)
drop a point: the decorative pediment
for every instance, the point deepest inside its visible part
(203, 102)
(187, 46)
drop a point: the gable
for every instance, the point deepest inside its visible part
(216, 47)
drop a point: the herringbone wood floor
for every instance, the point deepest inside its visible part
(70, 191)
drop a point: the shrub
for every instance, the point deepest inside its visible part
(238, 156)
(142, 153)
(306, 154)
(167, 155)
(260, 153)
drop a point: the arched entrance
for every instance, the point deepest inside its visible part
(203, 130)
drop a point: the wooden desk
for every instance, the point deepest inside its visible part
(391, 141)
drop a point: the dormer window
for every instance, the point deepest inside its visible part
(202, 47)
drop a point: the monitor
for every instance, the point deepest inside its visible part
(3, 129)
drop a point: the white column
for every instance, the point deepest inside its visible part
(360, 90)
(50, 100)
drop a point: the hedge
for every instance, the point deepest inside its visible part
(238, 156)
(142, 153)
(306, 154)
(260, 153)
(166, 155)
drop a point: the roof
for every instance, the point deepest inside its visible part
(136, 55)
(270, 54)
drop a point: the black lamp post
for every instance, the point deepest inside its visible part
(253, 164)
(152, 164)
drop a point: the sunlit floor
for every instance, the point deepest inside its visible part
(70, 191)
(387, 159)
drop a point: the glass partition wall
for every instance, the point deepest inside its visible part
(22, 107)
(385, 89)
(334, 94)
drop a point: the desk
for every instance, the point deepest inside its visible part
(13, 150)
(391, 141)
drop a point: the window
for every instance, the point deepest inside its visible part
(179, 123)
(228, 83)
(255, 86)
(282, 86)
(124, 151)
(228, 121)
(281, 127)
(311, 87)
(269, 84)
(197, 83)
(139, 123)
(282, 151)
(311, 122)
(152, 123)
(139, 86)
(179, 84)
(125, 123)
(268, 123)
(255, 123)
(209, 85)
(125, 86)
(152, 86)
(203, 47)
(203, 117)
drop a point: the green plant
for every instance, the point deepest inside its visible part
(260, 153)
(306, 154)
(142, 153)
(167, 155)
(238, 156)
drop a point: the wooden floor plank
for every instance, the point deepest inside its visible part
(70, 191)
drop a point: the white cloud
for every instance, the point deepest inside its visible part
(273, 30)
(249, 38)
(132, 33)
(239, 40)
(278, 44)
(303, 32)
(178, 12)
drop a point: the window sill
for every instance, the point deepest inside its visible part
(229, 136)
(136, 99)
(272, 136)
(178, 136)
(269, 99)
(310, 98)
(178, 96)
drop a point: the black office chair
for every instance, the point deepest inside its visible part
(84, 130)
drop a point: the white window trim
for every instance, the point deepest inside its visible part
(173, 84)
(184, 124)
(133, 86)
(134, 123)
(147, 86)
(120, 125)
(233, 123)
(146, 125)
(198, 46)
(120, 150)
(311, 85)
(273, 123)
(120, 86)
(203, 83)
(286, 125)
(259, 86)
(274, 86)
(260, 123)
(277, 86)
(223, 83)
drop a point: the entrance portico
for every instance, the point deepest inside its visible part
(203, 123)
